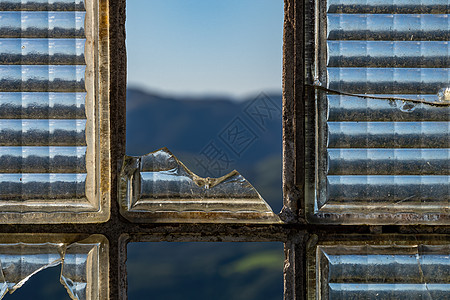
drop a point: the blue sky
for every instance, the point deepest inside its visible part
(198, 47)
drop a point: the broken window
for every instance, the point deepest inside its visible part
(198, 270)
(214, 107)
(366, 131)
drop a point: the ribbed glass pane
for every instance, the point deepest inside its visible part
(42, 5)
(49, 24)
(388, 27)
(384, 161)
(347, 108)
(380, 160)
(407, 54)
(42, 105)
(42, 51)
(388, 6)
(43, 118)
(391, 270)
(46, 159)
(41, 186)
(42, 132)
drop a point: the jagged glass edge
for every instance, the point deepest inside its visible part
(129, 188)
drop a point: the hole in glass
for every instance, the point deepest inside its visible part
(43, 285)
(204, 80)
(202, 270)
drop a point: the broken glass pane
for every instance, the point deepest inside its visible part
(217, 105)
(83, 262)
(47, 117)
(378, 122)
(157, 187)
(388, 270)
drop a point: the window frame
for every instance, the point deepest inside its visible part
(298, 236)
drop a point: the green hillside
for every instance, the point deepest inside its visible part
(205, 271)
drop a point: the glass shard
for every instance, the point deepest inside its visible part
(157, 187)
(391, 269)
(21, 261)
(378, 161)
(80, 270)
(444, 94)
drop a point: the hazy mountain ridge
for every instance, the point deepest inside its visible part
(188, 124)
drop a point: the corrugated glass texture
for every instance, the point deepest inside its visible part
(382, 160)
(348, 271)
(42, 99)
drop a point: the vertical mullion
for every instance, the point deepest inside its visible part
(118, 80)
(117, 266)
(122, 281)
(293, 110)
(113, 27)
(295, 267)
(299, 99)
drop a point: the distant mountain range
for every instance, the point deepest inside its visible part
(197, 130)
(188, 124)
